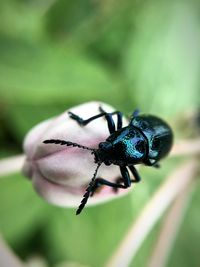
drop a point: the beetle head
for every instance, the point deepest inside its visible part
(103, 153)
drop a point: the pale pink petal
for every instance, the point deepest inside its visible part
(61, 174)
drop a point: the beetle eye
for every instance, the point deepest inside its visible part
(140, 146)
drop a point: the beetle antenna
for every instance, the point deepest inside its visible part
(66, 143)
(88, 191)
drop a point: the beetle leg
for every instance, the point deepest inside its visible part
(156, 165)
(135, 174)
(152, 163)
(119, 116)
(95, 183)
(120, 180)
(125, 176)
(125, 179)
(111, 123)
(83, 122)
(100, 181)
(108, 116)
(119, 120)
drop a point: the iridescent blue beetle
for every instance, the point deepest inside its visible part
(147, 139)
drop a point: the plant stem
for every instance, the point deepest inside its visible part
(7, 257)
(170, 228)
(186, 147)
(11, 164)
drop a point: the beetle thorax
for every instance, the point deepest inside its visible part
(126, 146)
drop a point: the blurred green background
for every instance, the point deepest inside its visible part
(55, 54)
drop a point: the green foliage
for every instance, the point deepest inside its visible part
(56, 54)
(42, 74)
(21, 211)
(162, 59)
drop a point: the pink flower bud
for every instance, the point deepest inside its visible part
(60, 174)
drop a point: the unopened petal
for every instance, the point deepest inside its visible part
(60, 174)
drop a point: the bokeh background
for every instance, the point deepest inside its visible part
(55, 54)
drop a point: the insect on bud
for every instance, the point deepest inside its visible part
(61, 173)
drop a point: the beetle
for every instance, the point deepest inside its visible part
(146, 140)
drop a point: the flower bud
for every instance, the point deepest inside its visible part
(60, 174)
